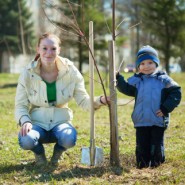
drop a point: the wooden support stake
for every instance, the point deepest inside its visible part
(114, 153)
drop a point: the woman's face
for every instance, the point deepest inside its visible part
(48, 50)
(147, 67)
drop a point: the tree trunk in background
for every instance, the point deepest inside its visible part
(80, 54)
(1, 66)
(166, 60)
(182, 62)
(137, 28)
(167, 49)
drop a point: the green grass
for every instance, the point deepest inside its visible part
(17, 167)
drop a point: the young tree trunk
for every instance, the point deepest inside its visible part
(114, 142)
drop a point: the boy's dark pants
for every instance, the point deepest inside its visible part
(149, 146)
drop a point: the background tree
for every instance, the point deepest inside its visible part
(16, 35)
(130, 11)
(91, 11)
(162, 26)
(84, 12)
(164, 20)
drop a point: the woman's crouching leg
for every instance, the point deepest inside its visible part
(66, 136)
(30, 142)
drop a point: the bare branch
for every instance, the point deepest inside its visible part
(74, 17)
(126, 102)
(130, 27)
(66, 21)
(58, 26)
(75, 4)
(120, 65)
(87, 44)
(121, 23)
(76, 28)
(135, 25)
(92, 78)
(107, 26)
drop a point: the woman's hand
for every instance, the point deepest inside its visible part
(25, 128)
(103, 100)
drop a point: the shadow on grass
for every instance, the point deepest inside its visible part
(8, 85)
(47, 173)
(8, 169)
(60, 174)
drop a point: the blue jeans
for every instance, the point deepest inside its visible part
(64, 135)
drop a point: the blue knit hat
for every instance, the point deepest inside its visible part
(145, 53)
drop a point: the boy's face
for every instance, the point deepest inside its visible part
(147, 67)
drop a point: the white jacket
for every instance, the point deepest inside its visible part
(31, 103)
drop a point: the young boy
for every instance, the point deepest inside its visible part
(156, 95)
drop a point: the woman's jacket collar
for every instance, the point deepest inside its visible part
(61, 63)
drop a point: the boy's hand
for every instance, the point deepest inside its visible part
(159, 113)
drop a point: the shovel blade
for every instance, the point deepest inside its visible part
(86, 156)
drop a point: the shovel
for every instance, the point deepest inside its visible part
(91, 156)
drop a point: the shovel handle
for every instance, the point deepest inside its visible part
(91, 74)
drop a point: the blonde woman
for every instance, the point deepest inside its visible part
(44, 89)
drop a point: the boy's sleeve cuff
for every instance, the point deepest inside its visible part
(117, 75)
(164, 110)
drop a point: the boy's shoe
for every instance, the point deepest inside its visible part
(56, 156)
(40, 159)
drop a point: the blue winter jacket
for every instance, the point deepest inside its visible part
(152, 92)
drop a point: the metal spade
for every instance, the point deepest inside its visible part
(91, 156)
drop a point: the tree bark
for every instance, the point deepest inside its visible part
(114, 142)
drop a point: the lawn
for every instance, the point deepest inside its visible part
(17, 166)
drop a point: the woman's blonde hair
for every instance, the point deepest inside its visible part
(48, 35)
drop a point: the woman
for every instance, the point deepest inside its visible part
(44, 89)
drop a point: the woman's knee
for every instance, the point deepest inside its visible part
(26, 142)
(67, 138)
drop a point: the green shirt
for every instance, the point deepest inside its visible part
(51, 91)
